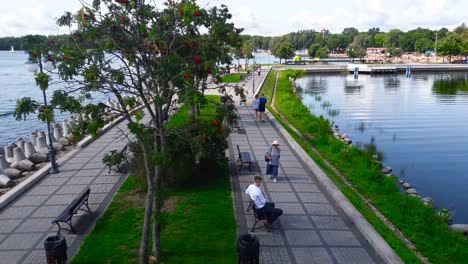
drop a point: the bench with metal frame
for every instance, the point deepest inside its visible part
(72, 209)
(244, 159)
(258, 217)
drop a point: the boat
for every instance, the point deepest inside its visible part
(12, 50)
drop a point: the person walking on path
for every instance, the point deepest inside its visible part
(261, 107)
(272, 156)
(261, 204)
(255, 106)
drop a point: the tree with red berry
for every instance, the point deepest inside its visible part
(163, 57)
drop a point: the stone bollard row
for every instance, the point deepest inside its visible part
(21, 156)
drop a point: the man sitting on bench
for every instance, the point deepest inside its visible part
(261, 205)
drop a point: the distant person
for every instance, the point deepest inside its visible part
(261, 204)
(261, 107)
(256, 106)
(273, 155)
(259, 71)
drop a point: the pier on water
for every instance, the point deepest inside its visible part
(371, 69)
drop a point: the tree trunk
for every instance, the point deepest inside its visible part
(157, 199)
(156, 248)
(198, 110)
(192, 112)
(144, 245)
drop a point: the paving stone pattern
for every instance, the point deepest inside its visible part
(26, 222)
(312, 229)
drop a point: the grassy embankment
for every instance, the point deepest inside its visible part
(419, 223)
(198, 222)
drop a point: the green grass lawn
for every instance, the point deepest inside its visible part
(419, 223)
(198, 225)
(233, 78)
(201, 229)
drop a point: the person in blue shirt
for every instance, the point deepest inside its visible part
(261, 107)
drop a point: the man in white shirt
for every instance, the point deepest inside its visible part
(261, 204)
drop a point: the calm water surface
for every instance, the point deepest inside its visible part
(419, 123)
(16, 82)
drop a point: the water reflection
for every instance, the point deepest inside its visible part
(450, 85)
(419, 125)
(333, 112)
(354, 85)
(361, 127)
(314, 85)
(392, 82)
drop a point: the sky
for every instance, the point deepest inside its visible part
(267, 17)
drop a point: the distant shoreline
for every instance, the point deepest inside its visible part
(400, 68)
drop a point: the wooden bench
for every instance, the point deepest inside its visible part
(72, 209)
(244, 158)
(258, 217)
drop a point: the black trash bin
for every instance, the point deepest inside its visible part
(56, 249)
(248, 249)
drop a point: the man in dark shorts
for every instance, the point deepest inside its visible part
(261, 107)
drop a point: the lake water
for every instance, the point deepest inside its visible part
(16, 82)
(419, 123)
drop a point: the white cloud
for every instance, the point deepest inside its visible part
(269, 17)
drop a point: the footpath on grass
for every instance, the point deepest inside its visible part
(313, 227)
(26, 222)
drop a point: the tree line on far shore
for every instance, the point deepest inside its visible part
(21, 43)
(320, 44)
(354, 43)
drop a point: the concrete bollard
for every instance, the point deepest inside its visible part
(33, 155)
(4, 164)
(29, 149)
(33, 138)
(66, 128)
(72, 123)
(9, 153)
(21, 163)
(42, 145)
(57, 133)
(20, 144)
(6, 182)
(41, 134)
(12, 173)
(55, 143)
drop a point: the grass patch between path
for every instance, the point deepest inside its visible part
(420, 224)
(233, 78)
(199, 227)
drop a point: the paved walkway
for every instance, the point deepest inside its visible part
(26, 222)
(312, 228)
